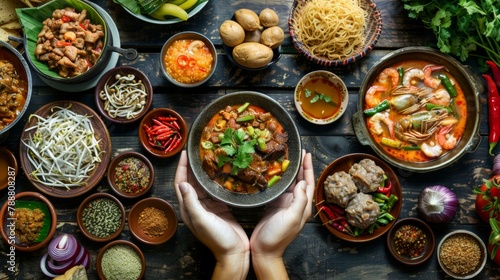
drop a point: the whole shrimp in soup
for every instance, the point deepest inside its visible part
(428, 79)
(432, 149)
(441, 97)
(389, 73)
(445, 139)
(370, 97)
(412, 77)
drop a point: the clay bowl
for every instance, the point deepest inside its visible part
(29, 200)
(294, 149)
(316, 80)
(344, 163)
(430, 242)
(135, 226)
(129, 246)
(148, 121)
(144, 164)
(187, 35)
(482, 258)
(87, 231)
(107, 83)
(101, 133)
(8, 163)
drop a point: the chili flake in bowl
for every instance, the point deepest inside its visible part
(130, 174)
(411, 241)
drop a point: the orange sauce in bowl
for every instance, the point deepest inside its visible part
(320, 98)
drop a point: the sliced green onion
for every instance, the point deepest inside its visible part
(273, 180)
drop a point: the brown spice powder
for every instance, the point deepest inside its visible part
(153, 221)
(460, 254)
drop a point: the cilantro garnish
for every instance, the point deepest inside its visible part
(318, 96)
(238, 150)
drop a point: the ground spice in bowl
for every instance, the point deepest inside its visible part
(153, 221)
(121, 262)
(409, 241)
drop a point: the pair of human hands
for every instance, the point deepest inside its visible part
(213, 224)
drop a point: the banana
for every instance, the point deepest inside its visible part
(168, 9)
(176, 2)
(188, 4)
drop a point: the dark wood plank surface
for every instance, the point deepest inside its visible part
(316, 253)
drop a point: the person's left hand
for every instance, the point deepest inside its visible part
(212, 223)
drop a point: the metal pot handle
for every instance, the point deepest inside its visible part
(129, 54)
(478, 81)
(357, 119)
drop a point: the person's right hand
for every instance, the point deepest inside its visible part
(213, 224)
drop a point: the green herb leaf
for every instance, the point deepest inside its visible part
(238, 150)
(307, 93)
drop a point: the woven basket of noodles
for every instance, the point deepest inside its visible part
(334, 33)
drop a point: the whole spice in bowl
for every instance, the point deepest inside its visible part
(101, 217)
(462, 254)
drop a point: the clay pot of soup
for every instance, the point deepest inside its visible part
(419, 110)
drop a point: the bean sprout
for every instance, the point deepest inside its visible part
(63, 149)
(125, 98)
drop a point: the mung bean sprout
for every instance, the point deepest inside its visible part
(63, 148)
(125, 98)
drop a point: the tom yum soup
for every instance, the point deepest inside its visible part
(320, 98)
(244, 149)
(188, 61)
(416, 111)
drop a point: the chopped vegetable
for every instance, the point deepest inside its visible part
(391, 142)
(448, 85)
(382, 106)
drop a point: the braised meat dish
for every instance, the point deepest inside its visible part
(13, 92)
(244, 149)
(69, 43)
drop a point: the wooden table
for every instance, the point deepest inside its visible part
(316, 253)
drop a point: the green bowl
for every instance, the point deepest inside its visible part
(31, 21)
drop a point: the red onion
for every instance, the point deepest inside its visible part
(437, 204)
(496, 165)
(45, 269)
(63, 248)
(60, 267)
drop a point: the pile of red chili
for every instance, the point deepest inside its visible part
(493, 104)
(164, 134)
(409, 241)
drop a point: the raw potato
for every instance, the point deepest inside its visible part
(268, 18)
(252, 55)
(231, 33)
(253, 36)
(272, 37)
(248, 19)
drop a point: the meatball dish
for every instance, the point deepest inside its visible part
(362, 211)
(367, 175)
(340, 188)
(69, 43)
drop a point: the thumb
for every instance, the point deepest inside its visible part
(300, 200)
(189, 198)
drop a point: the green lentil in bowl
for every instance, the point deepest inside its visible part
(101, 217)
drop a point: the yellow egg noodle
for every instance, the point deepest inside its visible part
(331, 28)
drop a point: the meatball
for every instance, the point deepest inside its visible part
(367, 175)
(339, 188)
(362, 211)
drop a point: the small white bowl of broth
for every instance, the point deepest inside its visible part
(321, 97)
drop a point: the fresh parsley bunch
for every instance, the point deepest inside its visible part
(462, 27)
(238, 150)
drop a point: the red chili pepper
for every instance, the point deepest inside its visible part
(329, 213)
(495, 71)
(386, 190)
(339, 211)
(63, 44)
(65, 19)
(182, 60)
(165, 135)
(192, 62)
(82, 26)
(167, 119)
(493, 112)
